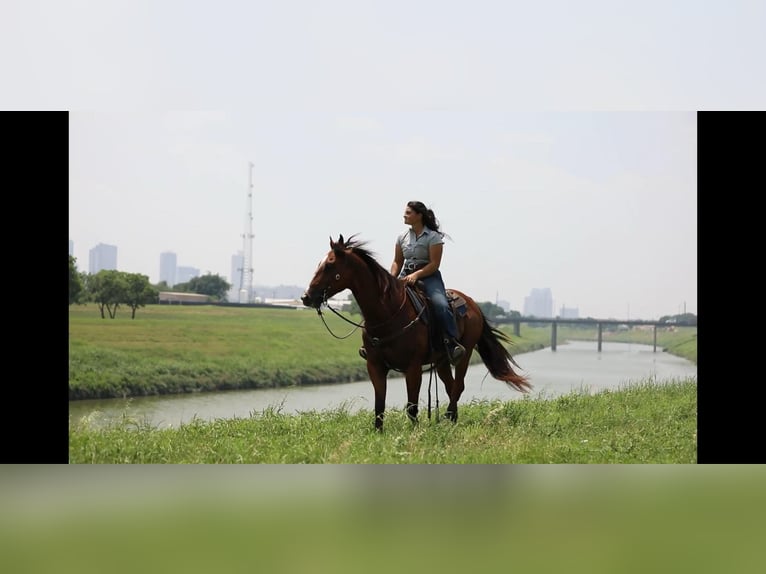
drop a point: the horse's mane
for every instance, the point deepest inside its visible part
(359, 248)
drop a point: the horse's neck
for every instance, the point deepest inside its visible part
(375, 305)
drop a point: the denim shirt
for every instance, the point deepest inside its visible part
(416, 250)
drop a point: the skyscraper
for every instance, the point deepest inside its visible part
(237, 263)
(102, 256)
(539, 303)
(168, 267)
(186, 274)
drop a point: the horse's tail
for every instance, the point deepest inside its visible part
(498, 359)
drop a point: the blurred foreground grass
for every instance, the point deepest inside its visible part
(589, 519)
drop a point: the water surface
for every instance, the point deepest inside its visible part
(574, 366)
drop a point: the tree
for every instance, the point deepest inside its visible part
(182, 288)
(490, 310)
(213, 285)
(138, 292)
(75, 282)
(108, 288)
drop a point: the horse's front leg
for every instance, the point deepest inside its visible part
(414, 377)
(378, 375)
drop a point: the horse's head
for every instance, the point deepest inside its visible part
(332, 275)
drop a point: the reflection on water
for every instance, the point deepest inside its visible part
(574, 366)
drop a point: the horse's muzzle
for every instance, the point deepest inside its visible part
(311, 301)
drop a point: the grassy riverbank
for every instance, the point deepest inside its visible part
(180, 349)
(640, 423)
(186, 349)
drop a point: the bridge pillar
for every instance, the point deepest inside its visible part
(600, 331)
(553, 335)
(655, 338)
(517, 328)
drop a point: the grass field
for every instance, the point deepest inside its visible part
(197, 348)
(176, 349)
(641, 423)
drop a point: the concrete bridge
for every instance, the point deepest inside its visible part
(554, 321)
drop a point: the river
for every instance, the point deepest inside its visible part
(574, 366)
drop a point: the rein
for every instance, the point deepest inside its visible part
(375, 340)
(356, 325)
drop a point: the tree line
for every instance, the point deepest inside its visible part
(110, 289)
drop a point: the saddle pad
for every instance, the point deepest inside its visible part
(456, 302)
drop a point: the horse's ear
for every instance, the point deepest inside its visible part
(332, 243)
(340, 240)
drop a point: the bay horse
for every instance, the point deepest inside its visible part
(395, 334)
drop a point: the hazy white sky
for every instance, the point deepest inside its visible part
(555, 140)
(600, 207)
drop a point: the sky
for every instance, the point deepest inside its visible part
(555, 140)
(600, 207)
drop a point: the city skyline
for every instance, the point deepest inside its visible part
(539, 302)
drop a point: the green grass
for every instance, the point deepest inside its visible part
(640, 423)
(176, 349)
(179, 349)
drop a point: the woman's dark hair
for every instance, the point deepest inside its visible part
(429, 219)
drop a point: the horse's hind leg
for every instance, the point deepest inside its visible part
(455, 385)
(445, 374)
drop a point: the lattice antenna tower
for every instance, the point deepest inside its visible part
(246, 271)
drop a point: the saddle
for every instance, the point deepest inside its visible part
(457, 306)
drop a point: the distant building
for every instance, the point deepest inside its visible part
(168, 268)
(504, 305)
(102, 257)
(237, 263)
(569, 313)
(186, 274)
(171, 297)
(71, 247)
(239, 292)
(539, 303)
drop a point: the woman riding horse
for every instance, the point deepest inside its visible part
(417, 256)
(397, 337)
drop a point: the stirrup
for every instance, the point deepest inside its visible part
(363, 353)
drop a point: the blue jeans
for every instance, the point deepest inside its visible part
(435, 290)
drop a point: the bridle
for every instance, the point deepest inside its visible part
(376, 341)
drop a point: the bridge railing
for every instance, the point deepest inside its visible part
(599, 323)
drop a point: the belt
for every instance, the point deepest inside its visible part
(411, 267)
